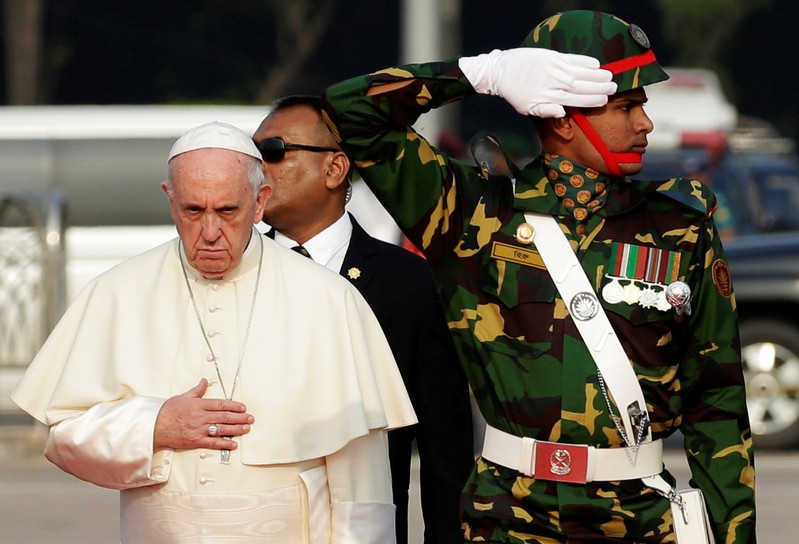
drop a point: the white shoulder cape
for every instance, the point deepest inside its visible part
(317, 372)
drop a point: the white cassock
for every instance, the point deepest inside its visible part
(317, 375)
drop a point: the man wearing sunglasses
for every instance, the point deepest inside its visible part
(310, 180)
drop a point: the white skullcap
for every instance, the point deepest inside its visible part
(215, 135)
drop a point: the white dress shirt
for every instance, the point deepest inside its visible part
(327, 248)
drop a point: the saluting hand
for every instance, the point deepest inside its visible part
(189, 421)
(540, 82)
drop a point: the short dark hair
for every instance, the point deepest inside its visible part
(299, 101)
(309, 100)
(312, 101)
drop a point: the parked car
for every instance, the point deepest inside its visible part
(776, 176)
(765, 274)
(690, 101)
(758, 217)
(740, 211)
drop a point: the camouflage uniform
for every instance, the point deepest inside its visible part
(530, 371)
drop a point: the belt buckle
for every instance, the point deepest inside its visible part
(561, 462)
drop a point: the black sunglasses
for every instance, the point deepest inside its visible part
(274, 149)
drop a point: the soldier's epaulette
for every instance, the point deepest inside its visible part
(691, 193)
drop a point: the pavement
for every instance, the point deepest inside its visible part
(39, 504)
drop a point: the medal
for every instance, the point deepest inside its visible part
(525, 234)
(678, 295)
(648, 298)
(645, 294)
(661, 303)
(631, 293)
(613, 293)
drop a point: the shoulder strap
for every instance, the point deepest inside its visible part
(592, 323)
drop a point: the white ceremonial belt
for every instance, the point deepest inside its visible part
(574, 463)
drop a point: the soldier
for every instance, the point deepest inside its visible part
(649, 249)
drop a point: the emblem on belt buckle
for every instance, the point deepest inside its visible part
(560, 462)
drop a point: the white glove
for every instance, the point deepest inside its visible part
(539, 82)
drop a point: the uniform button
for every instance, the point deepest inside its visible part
(204, 455)
(215, 287)
(203, 480)
(210, 358)
(212, 334)
(212, 309)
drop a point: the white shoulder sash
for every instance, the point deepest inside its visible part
(592, 323)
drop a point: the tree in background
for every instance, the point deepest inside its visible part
(301, 26)
(701, 31)
(22, 28)
(251, 51)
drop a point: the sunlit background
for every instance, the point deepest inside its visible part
(93, 93)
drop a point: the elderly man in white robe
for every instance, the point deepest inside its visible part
(231, 389)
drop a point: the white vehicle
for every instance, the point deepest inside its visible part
(691, 102)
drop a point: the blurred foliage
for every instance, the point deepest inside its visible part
(703, 29)
(251, 51)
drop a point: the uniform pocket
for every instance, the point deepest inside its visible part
(516, 275)
(517, 302)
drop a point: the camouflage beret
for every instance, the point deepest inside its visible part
(620, 47)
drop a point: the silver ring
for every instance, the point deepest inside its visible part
(212, 430)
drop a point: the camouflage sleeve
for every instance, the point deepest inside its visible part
(715, 423)
(423, 189)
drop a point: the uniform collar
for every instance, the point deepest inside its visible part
(534, 193)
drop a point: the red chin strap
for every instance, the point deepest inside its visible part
(611, 159)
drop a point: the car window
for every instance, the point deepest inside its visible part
(777, 181)
(738, 211)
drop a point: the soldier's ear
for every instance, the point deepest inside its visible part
(337, 169)
(563, 127)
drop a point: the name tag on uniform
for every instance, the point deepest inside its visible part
(516, 254)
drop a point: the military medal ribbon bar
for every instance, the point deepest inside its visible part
(645, 263)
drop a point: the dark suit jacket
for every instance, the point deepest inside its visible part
(399, 287)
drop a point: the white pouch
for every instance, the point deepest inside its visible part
(691, 522)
